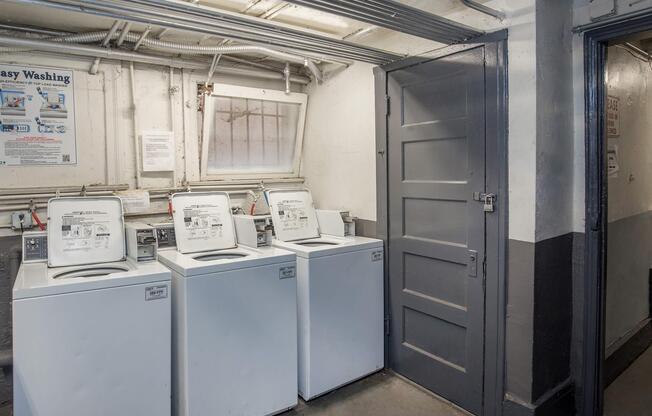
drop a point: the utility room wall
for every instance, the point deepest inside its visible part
(105, 124)
(630, 199)
(339, 161)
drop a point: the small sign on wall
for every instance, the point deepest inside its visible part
(613, 116)
(158, 151)
(613, 167)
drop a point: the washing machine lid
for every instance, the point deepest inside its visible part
(203, 221)
(85, 230)
(293, 214)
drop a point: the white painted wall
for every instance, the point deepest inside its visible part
(339, 161)
(104, 124)
(339, 147)
(631, 192)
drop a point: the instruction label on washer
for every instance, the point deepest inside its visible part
(293, 214)
(203, 221)
(85, 230)
(156, 292)
(287, 272)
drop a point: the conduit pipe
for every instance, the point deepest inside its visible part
(484, 9)
(188, 48)
(132, 84)
(18, 44)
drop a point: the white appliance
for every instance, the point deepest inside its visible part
(91, 331)
(340, 296)
(254, 230)
(234, 316)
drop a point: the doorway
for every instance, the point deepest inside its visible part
(617, 332)
(442, 208)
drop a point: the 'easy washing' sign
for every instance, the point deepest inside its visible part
(37, 116)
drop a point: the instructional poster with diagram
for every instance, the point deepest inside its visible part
(85, 231)
(203, 222)
(293, 214)
(37, 116)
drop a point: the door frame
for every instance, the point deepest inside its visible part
(495, 45)
(596, 199)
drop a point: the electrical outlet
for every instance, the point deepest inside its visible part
(19, 218)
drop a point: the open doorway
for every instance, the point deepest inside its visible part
(628, 329)
(617, 376)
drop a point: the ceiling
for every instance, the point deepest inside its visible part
(274, 10)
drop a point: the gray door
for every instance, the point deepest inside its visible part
(436, 161)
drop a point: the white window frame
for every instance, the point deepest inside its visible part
(236, 91)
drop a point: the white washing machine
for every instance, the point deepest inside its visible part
(234, 316)
(340, 296)
(91, 331)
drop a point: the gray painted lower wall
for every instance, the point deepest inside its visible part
(577, 338)
(539, 326)
(629, 258)
(9, 262)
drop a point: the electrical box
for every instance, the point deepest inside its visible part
(165, 236)
(254, 230)
(337, 223)
(35, 247)
(141, 241)
(21, 220)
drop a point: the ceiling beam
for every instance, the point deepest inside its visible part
(247, 29)
(396, 16)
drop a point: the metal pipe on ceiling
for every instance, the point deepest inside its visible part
(120, 55)
(183, 16)
(484, 9)
(186, 48)
(396, 16)
(32, 29)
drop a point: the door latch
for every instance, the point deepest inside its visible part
(488, 200)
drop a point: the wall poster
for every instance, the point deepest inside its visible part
(37, 116)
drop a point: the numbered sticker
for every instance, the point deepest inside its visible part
(287, 272)
(156, 292)
(377, 255)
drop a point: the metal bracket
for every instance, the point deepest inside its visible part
(489, 200)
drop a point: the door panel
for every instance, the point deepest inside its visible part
(436, 161)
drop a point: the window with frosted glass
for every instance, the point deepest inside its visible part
(250, 135)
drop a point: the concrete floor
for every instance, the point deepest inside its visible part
(382, 394)
(631, 393)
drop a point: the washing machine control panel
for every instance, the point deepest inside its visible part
(35, 246)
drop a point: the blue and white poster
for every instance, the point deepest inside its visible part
(37, 116)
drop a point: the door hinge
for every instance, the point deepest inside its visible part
(387, 105)
(387, 319)
(484, 267)
(489, 200)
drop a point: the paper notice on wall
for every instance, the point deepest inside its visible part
(612, 161)
(135, 201)
(613, 116)
(158, 151)
(37, 116)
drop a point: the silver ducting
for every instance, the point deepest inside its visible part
(183, 48)
(21, 44)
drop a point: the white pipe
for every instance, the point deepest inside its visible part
(286, 72)
(188, 48)
(171, 91)
(132, 83)
(24, 45)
